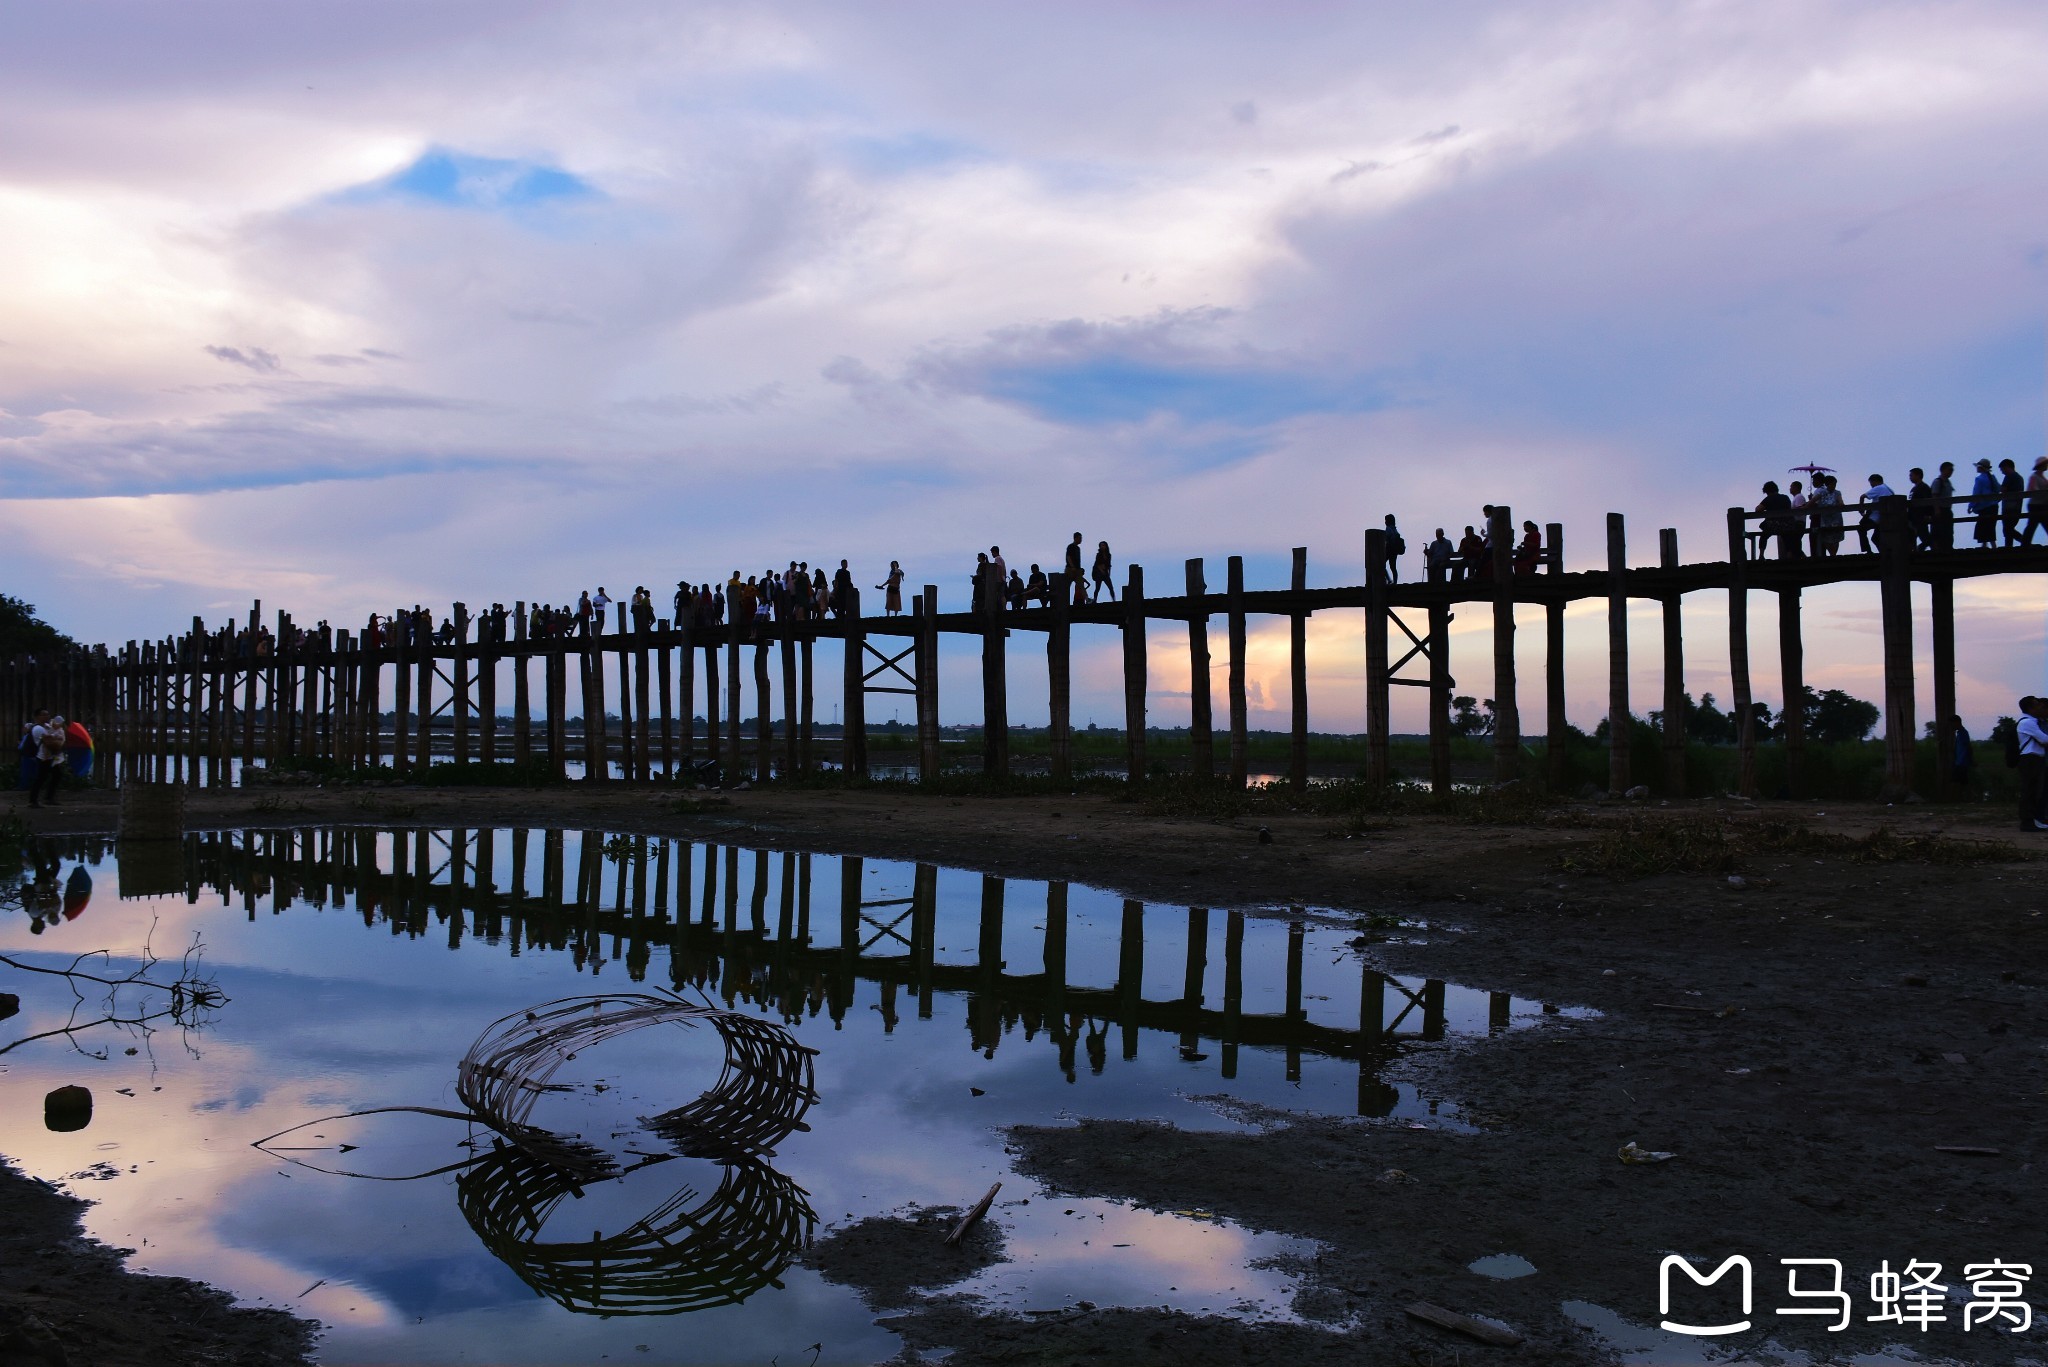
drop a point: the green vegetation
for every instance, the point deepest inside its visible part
(24, 633)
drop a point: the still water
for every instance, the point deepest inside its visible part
(356, 966)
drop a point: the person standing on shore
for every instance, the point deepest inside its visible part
(2033, 765)
(49, 739)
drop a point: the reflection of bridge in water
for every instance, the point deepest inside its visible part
(613, 898)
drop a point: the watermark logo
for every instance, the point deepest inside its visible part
(1734, 1262)
(1913, 1297)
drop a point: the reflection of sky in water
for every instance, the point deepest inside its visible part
(370, 999)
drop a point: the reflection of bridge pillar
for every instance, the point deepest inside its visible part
(1130, 973)
(785, 921)
(1375, 1098)
(681, 968)
(707, 913)
(551, 861)
(661, 875)
(984, 1008)
(924, 927)
(489, 908)
(803, 899)
(422, 875)
(1296, 1017)
(518, 888)
(850, 874)
(1198, 969)
(729, 967)
(760, 900)
(1056, 974)
(1499, 1012)
(458, 856)
(1233, 990)
(1433, 1009)
(640, 870)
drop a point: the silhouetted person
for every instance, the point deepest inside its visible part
(1438, 554)
(1778, 521)
(1395, 546)
(2011, 499)
(1984, 503)
(1102, 570)
(1944, 508)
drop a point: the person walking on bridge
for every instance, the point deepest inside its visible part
(1942, 508)
(892, 587)
(1868, 527)
(1074, 574)
(2037, 500)
(1984, 503)
(1103, 566)
(2012, 498)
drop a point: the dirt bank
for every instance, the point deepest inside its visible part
(1807, 1042)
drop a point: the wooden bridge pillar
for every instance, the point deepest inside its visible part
(1234, 603)
(522, 700)
(459, 664)
(1507, 716)
(1620, 721)
(423, 737)
(1738, 653)
(712, 710)
(643, 754)
(1942, 592)
(664, 684)
(1059, 677)
(1674, 672)
(1440, 683)
(854, 742)
(995, 692)
(1895, 544)
(807, 704)
(787, 630)
(1201, 715)
(735, 697)
(489, 653)
(1792, 670)
(247, 655)
(764, 711)
(924, 611)
(401, 631)
(1378, 703)
(629, 767)
(1556, 726)
(555, 684)
(1297, 676)
(686, 691)
(1134, 676)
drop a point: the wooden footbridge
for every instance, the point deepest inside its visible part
(184, 708)
(550, 890)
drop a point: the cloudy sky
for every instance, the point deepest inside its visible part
(346, 306)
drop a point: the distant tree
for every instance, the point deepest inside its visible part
(1837, 716)
(1470, 717)
(24, 633)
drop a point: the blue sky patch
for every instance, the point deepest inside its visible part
(459, 180)
(1111, 390)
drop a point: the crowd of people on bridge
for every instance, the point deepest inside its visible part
(1816, 519)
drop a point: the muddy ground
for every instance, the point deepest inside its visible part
(1806, 1043)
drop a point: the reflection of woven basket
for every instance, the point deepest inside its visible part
(761, 1095)
(690, 1253)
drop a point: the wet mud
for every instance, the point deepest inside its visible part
(1808, 1042)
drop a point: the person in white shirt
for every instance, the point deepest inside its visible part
(600, 604)
(1867, 527)
(48, 737)
(2033, 762)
